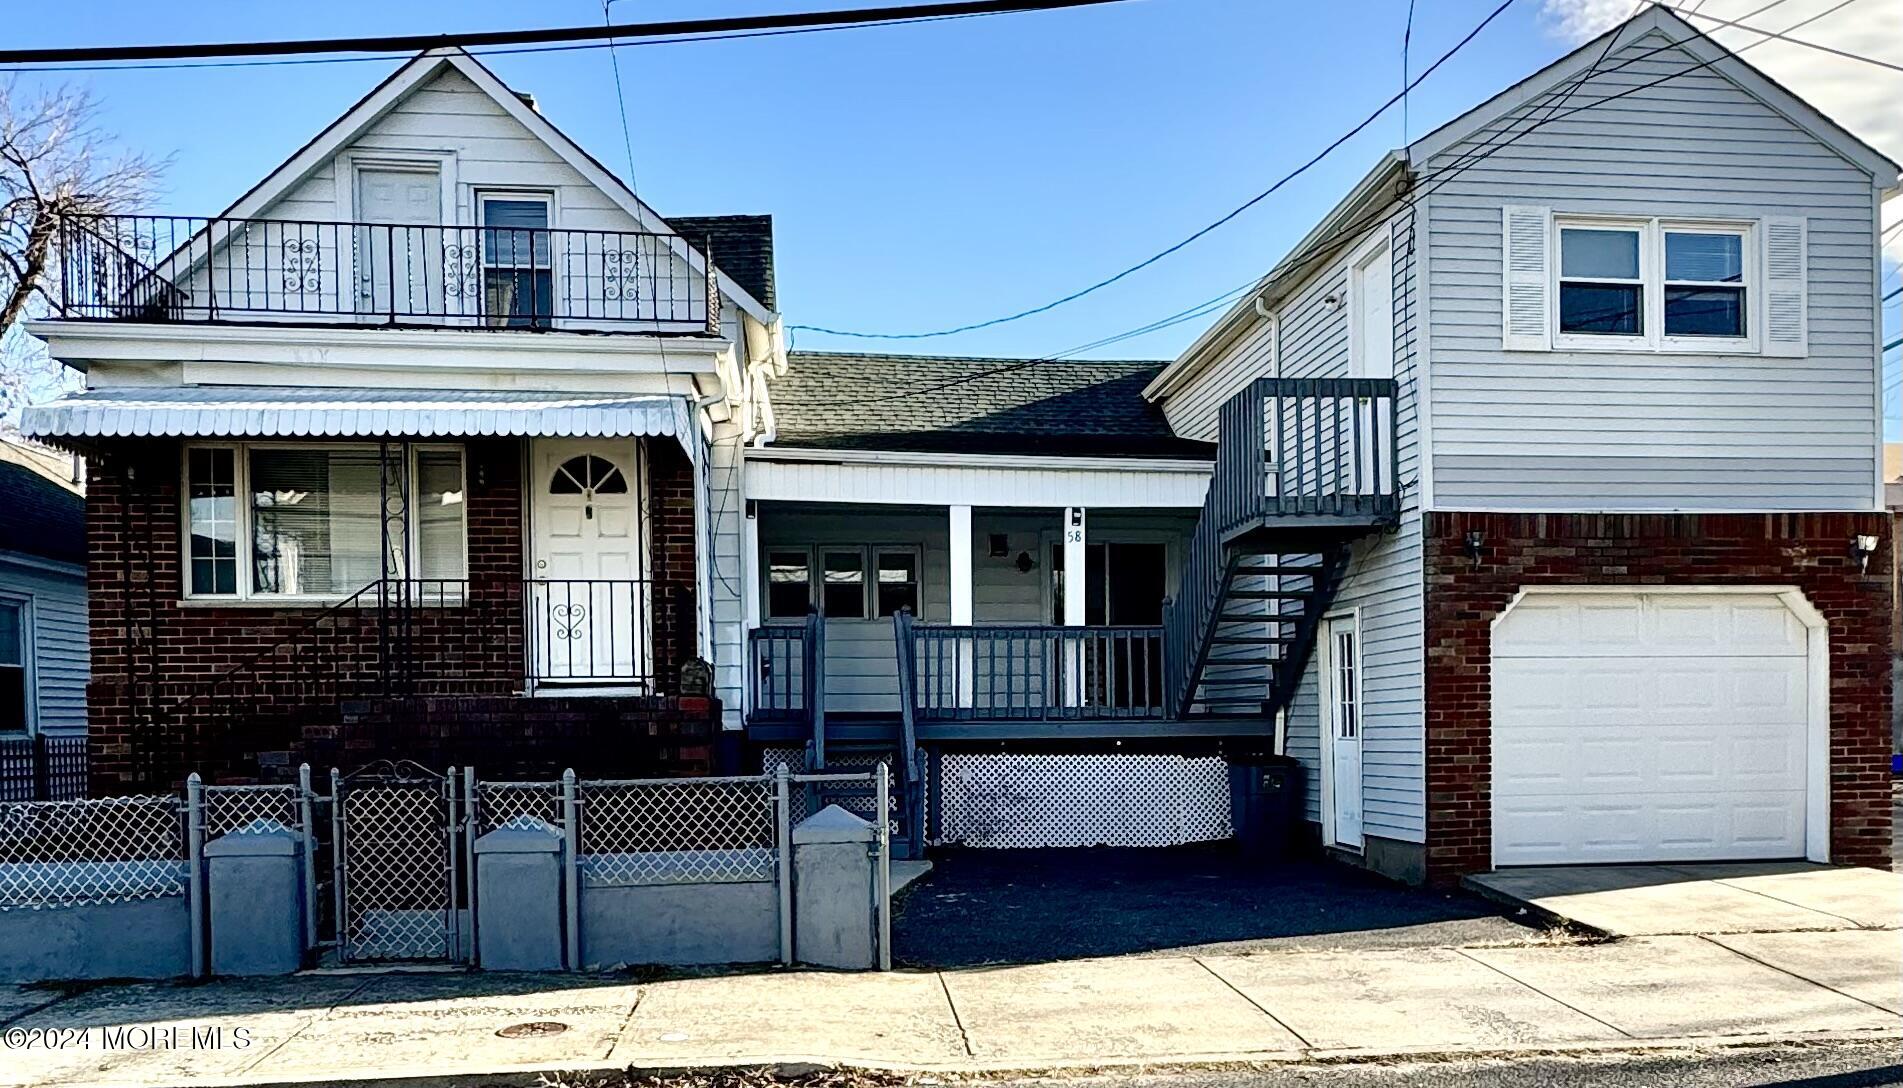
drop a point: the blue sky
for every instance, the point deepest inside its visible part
(919, 176)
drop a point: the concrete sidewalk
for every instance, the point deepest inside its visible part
(1149, 1010)
(1741, 897)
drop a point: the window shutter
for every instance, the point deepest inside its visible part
(1785, 304)
(1526, 233)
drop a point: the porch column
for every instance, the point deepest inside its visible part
(1076, 598)
(959, 526)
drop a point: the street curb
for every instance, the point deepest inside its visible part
(539, 1075)
(1543, 914)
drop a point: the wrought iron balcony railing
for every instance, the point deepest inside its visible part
(157, 268)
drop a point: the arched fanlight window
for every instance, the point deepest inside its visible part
(588, 474)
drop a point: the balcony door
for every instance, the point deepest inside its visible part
(588, 599)
(400, 241)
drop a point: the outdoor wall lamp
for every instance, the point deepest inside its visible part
(1862, 547)
(1475, 541)
(1025, 563)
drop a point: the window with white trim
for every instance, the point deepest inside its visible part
(282, 520)
(14, 717)
(1655, 284)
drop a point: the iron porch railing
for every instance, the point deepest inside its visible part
(158, 268)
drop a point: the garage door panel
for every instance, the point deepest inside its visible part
(1637, 726)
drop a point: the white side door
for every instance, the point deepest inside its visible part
(1371, 355)
(1341, 731)
(400, 247)
(588, 600)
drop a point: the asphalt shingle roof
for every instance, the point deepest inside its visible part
(42, 518)
(742, 245)
(930, 403)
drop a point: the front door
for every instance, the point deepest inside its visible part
(1341, 750)
(401, 242)
(588, 597)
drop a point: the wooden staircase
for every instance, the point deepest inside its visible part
(1304, 467)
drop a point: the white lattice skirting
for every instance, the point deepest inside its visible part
(1006, 801)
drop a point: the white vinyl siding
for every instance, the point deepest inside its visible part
(1657, 430)
(59, 651)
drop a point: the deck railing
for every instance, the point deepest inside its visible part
(785, 672)
(1030, 672)
(158, 268)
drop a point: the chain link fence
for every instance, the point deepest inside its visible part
(72, 853)
(251, 808)
(678, 831)
(501, 804)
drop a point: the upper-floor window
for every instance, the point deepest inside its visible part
(272, 520)
(518, 275)
(1655, 283)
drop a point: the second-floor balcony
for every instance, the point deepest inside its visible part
(180, 269)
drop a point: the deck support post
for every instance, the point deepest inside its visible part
(959, 526)
(1076, 600)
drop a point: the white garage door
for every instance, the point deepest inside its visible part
(1648, 727)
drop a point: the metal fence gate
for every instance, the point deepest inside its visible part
(399, 888)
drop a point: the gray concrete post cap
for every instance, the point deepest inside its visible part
(257, 839)
(523, 835)
(833, 824)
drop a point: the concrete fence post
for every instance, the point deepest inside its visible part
(256, 901)
(834, 882)
(519, 870)
(195, 869)
(307, 823)
(571, 868)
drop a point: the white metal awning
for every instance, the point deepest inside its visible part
(234, 411)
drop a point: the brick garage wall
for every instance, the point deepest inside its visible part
(1810, 551)
(154, 655)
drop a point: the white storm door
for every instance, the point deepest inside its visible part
(1341, 724)
(400, 245)
(588, 600)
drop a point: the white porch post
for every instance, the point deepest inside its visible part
(958, 524)
(750, 566)
(1076, 583)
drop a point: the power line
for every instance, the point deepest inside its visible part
(410, 43)
(684, 40)
(1152, 259)
(1781, 35)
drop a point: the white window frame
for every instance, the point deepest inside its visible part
(29, 687)
(873, 555)
(479, 199)
(1747, 234)
(241, 487)
(1651, 282)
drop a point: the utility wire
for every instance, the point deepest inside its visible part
(1153, 258)
(500, 52)
(410, 43)
(1781, 35)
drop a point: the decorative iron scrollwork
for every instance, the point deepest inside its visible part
(620, 274)
(462, 268)
(570, 619)
(303, 266)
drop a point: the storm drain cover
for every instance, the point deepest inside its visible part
(534, 1029)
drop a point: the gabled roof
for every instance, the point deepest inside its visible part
(942, 404)
(415, 74)
(742, 247)
(1381, 186)
(44, 518)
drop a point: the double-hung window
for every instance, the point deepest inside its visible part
(1654, 284)
(517, 262)
(271, 520)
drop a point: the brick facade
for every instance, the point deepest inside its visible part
(157, 657)
(1810, 551)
